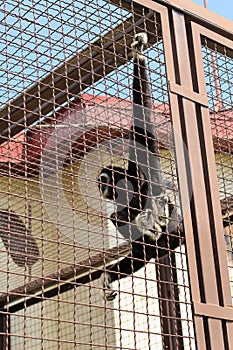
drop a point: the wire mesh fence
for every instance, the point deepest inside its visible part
(66, 111)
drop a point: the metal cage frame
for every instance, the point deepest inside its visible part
(183, 26)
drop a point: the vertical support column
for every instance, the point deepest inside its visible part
(3, 330)
(169, 303)
(197, 173)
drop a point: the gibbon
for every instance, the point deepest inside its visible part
(143, 213)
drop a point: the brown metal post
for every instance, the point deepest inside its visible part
(202, 220)
(3, 330)
(168, 294)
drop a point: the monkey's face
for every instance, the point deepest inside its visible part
(107, 181)
(105, 185)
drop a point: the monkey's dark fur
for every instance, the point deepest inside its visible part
(144, 177)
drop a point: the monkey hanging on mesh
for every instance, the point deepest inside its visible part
(144, 214)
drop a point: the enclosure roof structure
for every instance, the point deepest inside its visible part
(39, 99)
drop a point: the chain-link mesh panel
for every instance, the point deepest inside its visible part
(66, 112)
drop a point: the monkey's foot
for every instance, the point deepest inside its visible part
(107, 292)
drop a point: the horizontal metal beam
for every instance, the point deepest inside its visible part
(71, 275)
(213, 311)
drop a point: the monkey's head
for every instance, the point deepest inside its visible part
(108, 179)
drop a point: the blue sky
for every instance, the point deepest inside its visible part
(222, 7)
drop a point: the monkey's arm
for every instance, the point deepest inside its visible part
(143, 145)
